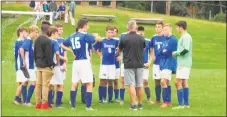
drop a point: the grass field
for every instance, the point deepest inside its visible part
(207, 82)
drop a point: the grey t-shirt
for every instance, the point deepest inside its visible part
(132, 46)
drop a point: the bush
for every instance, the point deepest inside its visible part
(220, 17)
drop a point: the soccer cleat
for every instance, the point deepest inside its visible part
(121, 102)
(186, 106)
(104, 101)
(133, 107)
(178, 107)
(157, 102)
(101, 102)
(38, 106)
(164, 105)
(16, 102)
(59, 107)
(89, 109)
(140, 106)
(45, 106)
(29, 104)
(150, 102)
(169, 104)
(111, 101)
(117, 100)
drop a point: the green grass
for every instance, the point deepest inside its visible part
(207, 81)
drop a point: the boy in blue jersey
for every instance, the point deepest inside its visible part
(81, 70)
(20, 78)
(107, 71)
(27, 54)
(167, 63)
(156, 45)
(147, 63)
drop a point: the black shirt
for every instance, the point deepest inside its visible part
(43, 54)
(132, 46)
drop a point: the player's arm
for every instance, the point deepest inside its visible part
(183, 50)
(152, 54)
(65, 62)
(24, 47)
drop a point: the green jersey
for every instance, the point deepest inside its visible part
(185, 43)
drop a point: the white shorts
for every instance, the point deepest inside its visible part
(145, 74)
(156, 72)
(58, 77)
(118, 72)
(32, 74)
(82, 71)
(183, 72)
(122, 70)
(166, 74)
(20, 76)
(107, 72)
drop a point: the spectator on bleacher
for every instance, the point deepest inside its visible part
(45, 7)
(32, 4)
(53, 8)
(71, 13)
(61, 11)
(38, 8)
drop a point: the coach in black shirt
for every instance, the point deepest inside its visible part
(132, 46)
(43, 56)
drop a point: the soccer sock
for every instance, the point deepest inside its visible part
(30, 92)
(24, 92)
(110, 93)
(104, 92)
(158, 92)
(148, 93)
(169, 91)
(186, 96)
(59, 97)
(83, 92)
(100, 92)
(19, 100)
(180, 94)
(165, 94)
(73, 98)
(116, 93)
(16, 98)
(88, 99)
(122, 93)
(50, 97)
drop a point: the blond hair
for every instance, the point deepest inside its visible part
(33, 28)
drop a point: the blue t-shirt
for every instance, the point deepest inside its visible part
(29, 52)
(17, 56)
(146, 50)
(117, 64)
(108, 49)
(61, 50)
(157, 43)
(61, 8)
(55, 49)
(79, 41)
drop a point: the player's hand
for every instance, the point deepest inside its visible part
(66, 59)
(147, 65)
(74, 56)
(64, 67)
(95, 34)
(118, 59)
(24, 64)
(173, 54)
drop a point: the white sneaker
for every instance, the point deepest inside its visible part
(90, 109)
(178, 107)
(121, 102)
(29, 104)
(186, 106)
(104, 101)
(150, 102)
(134, 109)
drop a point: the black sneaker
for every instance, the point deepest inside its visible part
(140, 106)
(133, 107)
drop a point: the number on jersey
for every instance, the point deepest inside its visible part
(75, 43)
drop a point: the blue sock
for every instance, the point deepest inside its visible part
(110, 93)
(100, 92)
(73, 98)
(104, 92)
(88, 99)
(148, 92)
(169, 91)
(24, 92)
(165, 94)
(50, 97)
(30, 92)
(116, 93)
(180, 94)
(84, 89)
(158, 92)
(16, 98)
(59, 97)
(186, 96)
(122, 94)
(19, 100)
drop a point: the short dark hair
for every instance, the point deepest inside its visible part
(52, 30)
(46, 22)
(19, 30)
(81, 23)
(159, 23)
(182, 24)
(116, 28)
(58, 25)
(110, 28)
(140, 28)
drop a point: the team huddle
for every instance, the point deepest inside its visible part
(43, 64)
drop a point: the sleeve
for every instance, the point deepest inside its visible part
(89, 38)
(90, 47)
(185, 48)
(67, 42)
(117, 42)
(97, 46)
(48, 50)
(56, 47)
(25, 45)
(144, 43)
(15, 48)
(121, 44)
(152, 42)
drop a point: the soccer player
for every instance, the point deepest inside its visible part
(20, 78)
(118, 72)
(81, 70)
(167, 63)
(107, 69)
(27, 55)
(156, 44)
(184, 64)
(147, 63)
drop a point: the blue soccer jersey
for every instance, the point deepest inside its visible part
(79, 42)
(117, 64)
(61, 50)
(121, 37)
(157, 43)
(146, 50)
(89, 50)
(55, 49)
(108, 49)
(29, 52)
(17, 56)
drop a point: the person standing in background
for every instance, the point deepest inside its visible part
(70, 10)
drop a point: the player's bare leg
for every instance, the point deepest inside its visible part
(140, 97)
(73, 94)
(132, 94)
(178, 84)
(186, 93)
(158, 91)
(17, 99)
(147, 91)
